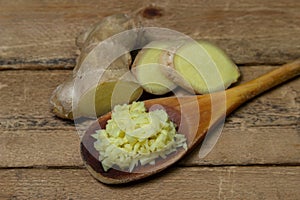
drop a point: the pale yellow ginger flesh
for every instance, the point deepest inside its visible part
(200, 67)
(135, 137)
(148, 69)
(101, 98)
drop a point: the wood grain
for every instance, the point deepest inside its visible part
(41, 35)
(25, 101)
(39, 153)
(208, 183)
(60, 148)
(264, 131)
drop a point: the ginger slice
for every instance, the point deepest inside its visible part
(148, 69)
(200, 67)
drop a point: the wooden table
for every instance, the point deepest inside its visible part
(257, 155)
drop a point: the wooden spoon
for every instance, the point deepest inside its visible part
(190, 124)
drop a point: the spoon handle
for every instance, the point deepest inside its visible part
(244, 92)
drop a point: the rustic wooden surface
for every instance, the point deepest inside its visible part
(257, 155)
(207, 183)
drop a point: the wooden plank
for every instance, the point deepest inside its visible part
(25, 101)
(248, 145)
(25, 98)
(36, 34)
(39, 148)
(207, 183)
(60, 148)
(264, 131)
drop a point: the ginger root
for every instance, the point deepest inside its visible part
(102, 78)
(148, 69)
(93, 64)
(200, 67)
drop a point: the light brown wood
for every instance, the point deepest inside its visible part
(25, 101)
(242, 145)
(177, 183)
(41, 35)
(264, 131)
(240, 94)
(38, 35)
(29, 148)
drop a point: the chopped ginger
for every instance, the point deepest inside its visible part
(134, 136)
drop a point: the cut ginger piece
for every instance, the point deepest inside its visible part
(200, 67)
(109, 92)
(147, 68)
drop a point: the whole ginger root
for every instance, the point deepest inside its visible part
(88, 62)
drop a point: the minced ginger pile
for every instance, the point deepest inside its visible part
(134, 136)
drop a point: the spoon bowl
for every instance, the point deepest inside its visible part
(194, 125)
